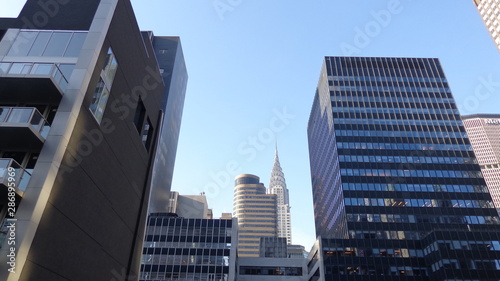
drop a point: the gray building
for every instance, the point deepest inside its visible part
(168, 52)
(398, 193)
(79, 123)
(178, 248)
(269, 269)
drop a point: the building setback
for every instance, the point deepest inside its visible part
(484, 134)
(80, 122)
(256, 213)
(397, 191)
(490, 13)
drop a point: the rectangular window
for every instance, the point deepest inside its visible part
(47, 43)
(103, 87)
(147, 134)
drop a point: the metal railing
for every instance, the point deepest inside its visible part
(35, 69)
(24, 115)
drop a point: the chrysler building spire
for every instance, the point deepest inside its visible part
(277, 185)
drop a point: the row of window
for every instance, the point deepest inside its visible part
(391, 89)
(414, 134)
(402, 218)
(373, 252)
(441, 112)
(270, 270)
(187, 245)
(393, 202)
(406, 159)
(403, 146)
(463, 245)
(372, 270)
(362, 97)
(410, 173)
(185, 260)
(47, 43)
(466, 264)
(388, 79)
(415, 187)
(427, 122)
(386, 234)
(183, 276)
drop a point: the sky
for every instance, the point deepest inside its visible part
(253, 68)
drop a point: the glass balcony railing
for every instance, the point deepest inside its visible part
(24, 117)
(28, 69)
(13, 175)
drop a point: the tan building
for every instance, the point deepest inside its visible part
(256, 213)
(484, 135)
(490, 13)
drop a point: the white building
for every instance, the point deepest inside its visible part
(277, 185)
(484, 135)
(490, 13)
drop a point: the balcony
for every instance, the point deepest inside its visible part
(22, 128)
(32, 82)
(11, 173)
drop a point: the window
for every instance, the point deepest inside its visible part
(147, 134)
(101, 93)
(47, 43)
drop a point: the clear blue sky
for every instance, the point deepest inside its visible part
(253, 68)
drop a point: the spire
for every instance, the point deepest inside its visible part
(277, 176)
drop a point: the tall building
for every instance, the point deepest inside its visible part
(490, 13)
(189, 249)
(277, 185)
(484, 134)
(168, 52)
(80, 123)
(397, 190)
(256, 213)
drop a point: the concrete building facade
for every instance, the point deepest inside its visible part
(256, 213)
(483, 131)
(80, 122)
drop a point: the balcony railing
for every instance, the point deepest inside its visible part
(13, 175)
(33, 82)
(21, 127)
(34, 69)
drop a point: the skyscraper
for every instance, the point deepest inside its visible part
(277, 185)
(490, 13)
(484, 134)
(80, 116)
(256, 213)
(396, 187)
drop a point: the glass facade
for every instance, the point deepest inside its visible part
(394, 172)
(177, 248)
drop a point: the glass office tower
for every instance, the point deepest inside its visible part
(396, 187)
